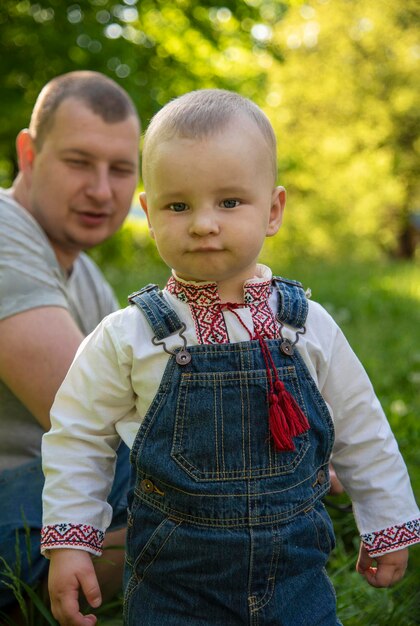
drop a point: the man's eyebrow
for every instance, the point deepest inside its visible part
(84, 153)
(88, 155)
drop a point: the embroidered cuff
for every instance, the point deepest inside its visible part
(80, 536)
(392, 538)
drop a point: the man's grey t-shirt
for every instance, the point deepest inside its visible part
(31, 277)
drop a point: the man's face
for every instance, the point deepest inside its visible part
(82, 180)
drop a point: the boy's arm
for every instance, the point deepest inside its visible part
(79, 451)
(365, 454)
(390, 568)
(72, 571)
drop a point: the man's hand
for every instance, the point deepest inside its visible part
(72, 571)
(390, 568)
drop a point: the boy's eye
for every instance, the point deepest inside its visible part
(230, 203)
(178, 207)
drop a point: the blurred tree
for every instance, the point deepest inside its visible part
(338, 78)
(347, 111)
(156, 50)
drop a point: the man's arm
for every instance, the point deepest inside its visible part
(36, 350)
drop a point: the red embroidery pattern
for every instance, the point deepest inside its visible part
(205, 307)
(204, 303)
(210, 325)
(71, 535)
(393, 538)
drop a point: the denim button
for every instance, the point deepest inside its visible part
(147, 486)
(286, 347)
(183, 357)
(321, 477)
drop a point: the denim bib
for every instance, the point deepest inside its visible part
(224, 529)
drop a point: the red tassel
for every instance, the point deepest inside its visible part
(279, 427)
(286, 418)
(297, 420)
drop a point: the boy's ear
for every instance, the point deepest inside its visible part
(26, 153)
(143, 202)
(278, 202)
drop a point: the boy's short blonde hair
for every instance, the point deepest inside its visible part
(202, 113)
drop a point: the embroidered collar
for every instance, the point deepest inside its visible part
(207, 311)
(205, 294)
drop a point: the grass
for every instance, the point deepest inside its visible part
(377, 304)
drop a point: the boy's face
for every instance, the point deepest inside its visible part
(211, 202)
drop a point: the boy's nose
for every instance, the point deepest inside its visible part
(203, 223)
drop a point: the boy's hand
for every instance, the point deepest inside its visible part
(390, 568)
(72, 571)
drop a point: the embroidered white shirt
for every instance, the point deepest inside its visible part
(116, 374)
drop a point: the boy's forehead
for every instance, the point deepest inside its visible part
(225, 161)
(231, 121)
(240, 134)
(238, 127)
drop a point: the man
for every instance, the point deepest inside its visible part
(78, 169)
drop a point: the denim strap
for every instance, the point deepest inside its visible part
(163, 320)
(293, 304)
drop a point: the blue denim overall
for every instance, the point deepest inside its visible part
(224, 530)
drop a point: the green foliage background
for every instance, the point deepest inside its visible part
(338, 78)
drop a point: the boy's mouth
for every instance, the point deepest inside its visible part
(206, 249)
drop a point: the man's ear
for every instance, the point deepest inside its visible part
(278, 202)
(143, 202)
(26, 153)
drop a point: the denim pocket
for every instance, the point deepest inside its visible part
(221, 427)
(143, 549)
(324, 528)
(156, 543)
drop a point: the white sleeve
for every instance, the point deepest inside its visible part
(366, 455)
(79, 450)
